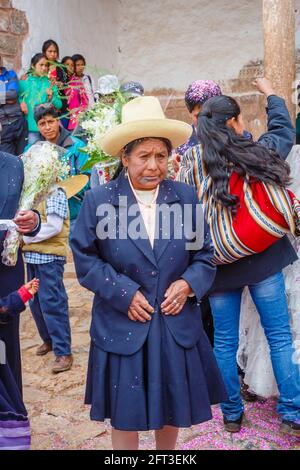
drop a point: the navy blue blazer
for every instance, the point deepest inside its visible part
(12, 304)
(11, 183)
(115, 269)
(11, 278)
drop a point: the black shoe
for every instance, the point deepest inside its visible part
(233, 425)
(290, 427)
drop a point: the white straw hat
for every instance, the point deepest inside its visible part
(144, 117)
(73, 184)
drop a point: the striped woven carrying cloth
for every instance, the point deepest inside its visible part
(265, 214)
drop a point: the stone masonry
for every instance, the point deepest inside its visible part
(13, 30)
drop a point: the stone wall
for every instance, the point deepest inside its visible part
(13, 30)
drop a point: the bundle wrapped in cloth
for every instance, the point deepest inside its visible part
(44, 166)
(265, 214)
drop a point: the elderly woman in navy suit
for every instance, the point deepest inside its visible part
(151, 365)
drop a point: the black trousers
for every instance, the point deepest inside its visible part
(14, 136)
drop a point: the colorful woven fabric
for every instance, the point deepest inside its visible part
(201, 90)
(265, 214)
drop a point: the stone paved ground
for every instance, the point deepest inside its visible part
(60, 420)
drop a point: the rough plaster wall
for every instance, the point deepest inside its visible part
(163, 43)
(170, 43)
(79, 26)
(297, 8)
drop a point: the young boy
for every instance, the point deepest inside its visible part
(45, 256)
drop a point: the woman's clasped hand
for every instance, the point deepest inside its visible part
(175, 298)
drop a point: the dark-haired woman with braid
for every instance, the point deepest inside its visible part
(226, 157)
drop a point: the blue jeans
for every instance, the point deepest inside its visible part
(49, 307)
(270, 300)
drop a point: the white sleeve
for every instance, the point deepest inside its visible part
(52, 227)
(89, 87)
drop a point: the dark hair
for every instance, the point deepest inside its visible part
(190, 103)
(131, 146)
(67, 57)
(44, 109)
(225, 151)
(49, 43)
(77, 57)
(36, 58)
(118, 170)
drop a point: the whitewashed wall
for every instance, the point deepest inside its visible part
(169, 43)
(79, 26)
(162, 43)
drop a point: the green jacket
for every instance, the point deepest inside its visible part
(33, 91)
(76, 160)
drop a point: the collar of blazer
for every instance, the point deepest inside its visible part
(166, 193)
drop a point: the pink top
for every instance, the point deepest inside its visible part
(77, 100)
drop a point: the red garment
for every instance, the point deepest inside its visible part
(24, 294)
(245, 226)
(77, 100)
(265, 214)
(53, 75)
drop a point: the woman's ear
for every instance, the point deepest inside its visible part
(232, 123)
(124, 159)
(236, 123)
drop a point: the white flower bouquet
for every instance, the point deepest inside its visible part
(96, 122)
(43, 167)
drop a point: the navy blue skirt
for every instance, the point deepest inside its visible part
(161, 384)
